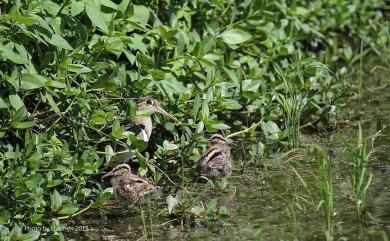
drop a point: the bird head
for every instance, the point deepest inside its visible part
(155, 107)
(118, 171)
(219, 139)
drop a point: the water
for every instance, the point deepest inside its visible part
(259, 199)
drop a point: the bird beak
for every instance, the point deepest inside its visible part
(108, 174)
(160, 110)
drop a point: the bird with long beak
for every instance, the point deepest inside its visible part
(142, 126)
(216, 161)
(130, 188)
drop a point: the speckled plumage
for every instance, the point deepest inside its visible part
(130, 188)
(216, 161)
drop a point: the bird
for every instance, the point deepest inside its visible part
(130, 188)
(216, 161)
(141, 126)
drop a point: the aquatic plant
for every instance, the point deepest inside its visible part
(359, 176)
(71, 73)
(326, 189)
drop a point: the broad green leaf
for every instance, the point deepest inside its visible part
(108, 150)
(98, 117)
(96, 16)
(235, 36)
(231, 104)
(34, 181)
(132, 109)
(60, 42)
(117, 130)
(220, 126)
(109, 4)
(197, 210)
(4, 217)
(197, 106)
(169, 146)
(270, 129)
(55, 84)
(76, 8)
(30, 236)
(211, 206)
(23, 19)
(32, 81)
(52, 103)
(16, 101)
(200, 127)
(55, 201)
(3, 105)
(7, 53)
(78, 68)
(69, 208)
(140, 15)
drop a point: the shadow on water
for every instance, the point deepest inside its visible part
(254, 201)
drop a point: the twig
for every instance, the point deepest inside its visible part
(253, 127)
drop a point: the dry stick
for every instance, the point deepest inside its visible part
(291, 159)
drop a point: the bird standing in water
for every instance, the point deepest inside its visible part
(216, 161)
(142, 126)
(130, 188)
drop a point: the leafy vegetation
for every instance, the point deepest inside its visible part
(71, 72)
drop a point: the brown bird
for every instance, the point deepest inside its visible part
(131, 188)
(216, 161)
(142, 126)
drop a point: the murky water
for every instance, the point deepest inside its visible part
(259, 200)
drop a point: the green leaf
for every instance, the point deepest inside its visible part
(34, 181)
(55, 84)
(220, 126)
(23, 19)
(4, 217)
(96, 16)
(78, 68)
(169, 146)
(69, 208)
(23, 125)
(60, 42)
(140, 15)
(3, 105)
(30, 236)
(117, 130)
(55, 201)
(7, 53)
(32, 81)
(211, 206)
(197, 105)
(16, 101)
(271, 130)
(76, 8)
(52, 103)
(235, 36)
(231, 104)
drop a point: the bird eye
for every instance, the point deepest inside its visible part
(149, 102)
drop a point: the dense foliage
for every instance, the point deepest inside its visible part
(71, 73)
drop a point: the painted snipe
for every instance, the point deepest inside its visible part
(142, 126)
(216, 161)
(130, 188)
